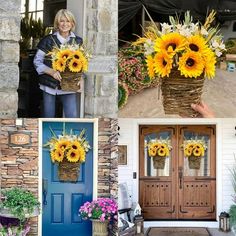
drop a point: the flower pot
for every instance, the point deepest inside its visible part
(68, 171)
(194, 162)
(179, 93)
(159, 162)
(70, 81)
(100, 228)
(5, 212)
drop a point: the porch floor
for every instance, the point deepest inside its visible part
(215, 232)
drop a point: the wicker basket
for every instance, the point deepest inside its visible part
(179, 93)
(159, 162)
(194, 162)
(100, 228)
(70, 81)
(68, 171)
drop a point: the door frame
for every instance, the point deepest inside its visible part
(219, 177)
(40, 146)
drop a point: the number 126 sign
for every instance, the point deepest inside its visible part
(19, 138)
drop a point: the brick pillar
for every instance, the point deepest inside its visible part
(9, 57)
(101, 86)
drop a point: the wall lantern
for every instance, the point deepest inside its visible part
(224, 222)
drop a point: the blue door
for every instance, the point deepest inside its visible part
(62, 200)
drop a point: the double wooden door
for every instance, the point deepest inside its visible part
(178, 191)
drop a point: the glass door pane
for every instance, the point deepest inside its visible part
(152, 166)
(198, 166)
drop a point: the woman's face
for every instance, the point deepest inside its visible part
(64, 25)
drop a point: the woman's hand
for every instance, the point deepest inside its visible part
(55, 74)
(203, 109)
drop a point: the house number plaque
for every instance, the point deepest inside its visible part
(19, 139)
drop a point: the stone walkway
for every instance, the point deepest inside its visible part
(219, 94)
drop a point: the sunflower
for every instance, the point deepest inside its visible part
(57, 155)
(170, 43)
(167, 151)
(190, 146)
(210, 61)
(62, 144)
(59, 65)
(202, 151)
(150, 66)
(78, 54)
(161, 152)
(197, 43)
(73, 155)
(155, 145)
(187, 152)
(152, 152)
(84, 62)
(196, 152)
(75, 145)
(162, 64)
(191, 64)
(82, 154)
(64, 54)
(75, 65)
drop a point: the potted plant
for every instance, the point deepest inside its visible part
(194, 150)
(19, 203)
(14, 230)
(100, 212)
(159, 149)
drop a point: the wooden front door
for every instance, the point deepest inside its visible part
(177, 190)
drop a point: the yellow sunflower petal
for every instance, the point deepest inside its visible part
(59, 65)
(196, 152)
(210, 61)
(197, 43)
(191, 64)
(75, 65)
(57, 155)
(150, 66)
(161, 152)
(62, 144)
(73, 155)
(152, 152)
(170, 43)
(64, 54)
(162, 64)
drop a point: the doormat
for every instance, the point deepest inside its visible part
(154, 231)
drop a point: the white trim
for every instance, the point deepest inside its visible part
(95, 156)
(182, 121)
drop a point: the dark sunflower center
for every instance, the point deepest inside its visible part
(75, 64)
(164, 63)
(65, 56)
(63, 146)
(72, 154)
(190, 62)
(76, 56)
(173, 45)
(74, 146)
(194, 47)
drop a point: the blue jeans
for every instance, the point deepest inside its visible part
(69, 102)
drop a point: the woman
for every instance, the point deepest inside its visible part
(49, 79)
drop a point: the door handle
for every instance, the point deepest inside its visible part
(172, 211)
(182, 211)
(180, 177)
(45, 191)
(213, 210)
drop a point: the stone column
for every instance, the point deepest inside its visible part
(101, 85)
(9, 57)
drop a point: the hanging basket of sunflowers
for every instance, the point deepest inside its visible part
(69, 151)
(194, 150)
(159, 149)
(71, 60)
(182, 55)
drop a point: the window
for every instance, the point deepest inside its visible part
(34, 7)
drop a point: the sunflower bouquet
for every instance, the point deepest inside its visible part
(194, 149)
(69, 151)
(71, 60)
(182, 54)
(159, 149)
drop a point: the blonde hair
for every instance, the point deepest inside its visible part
(68, 15)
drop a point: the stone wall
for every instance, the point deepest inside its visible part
(101, 87)
(19, 166)
(9, 56)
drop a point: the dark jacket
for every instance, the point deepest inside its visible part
(46, 44)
